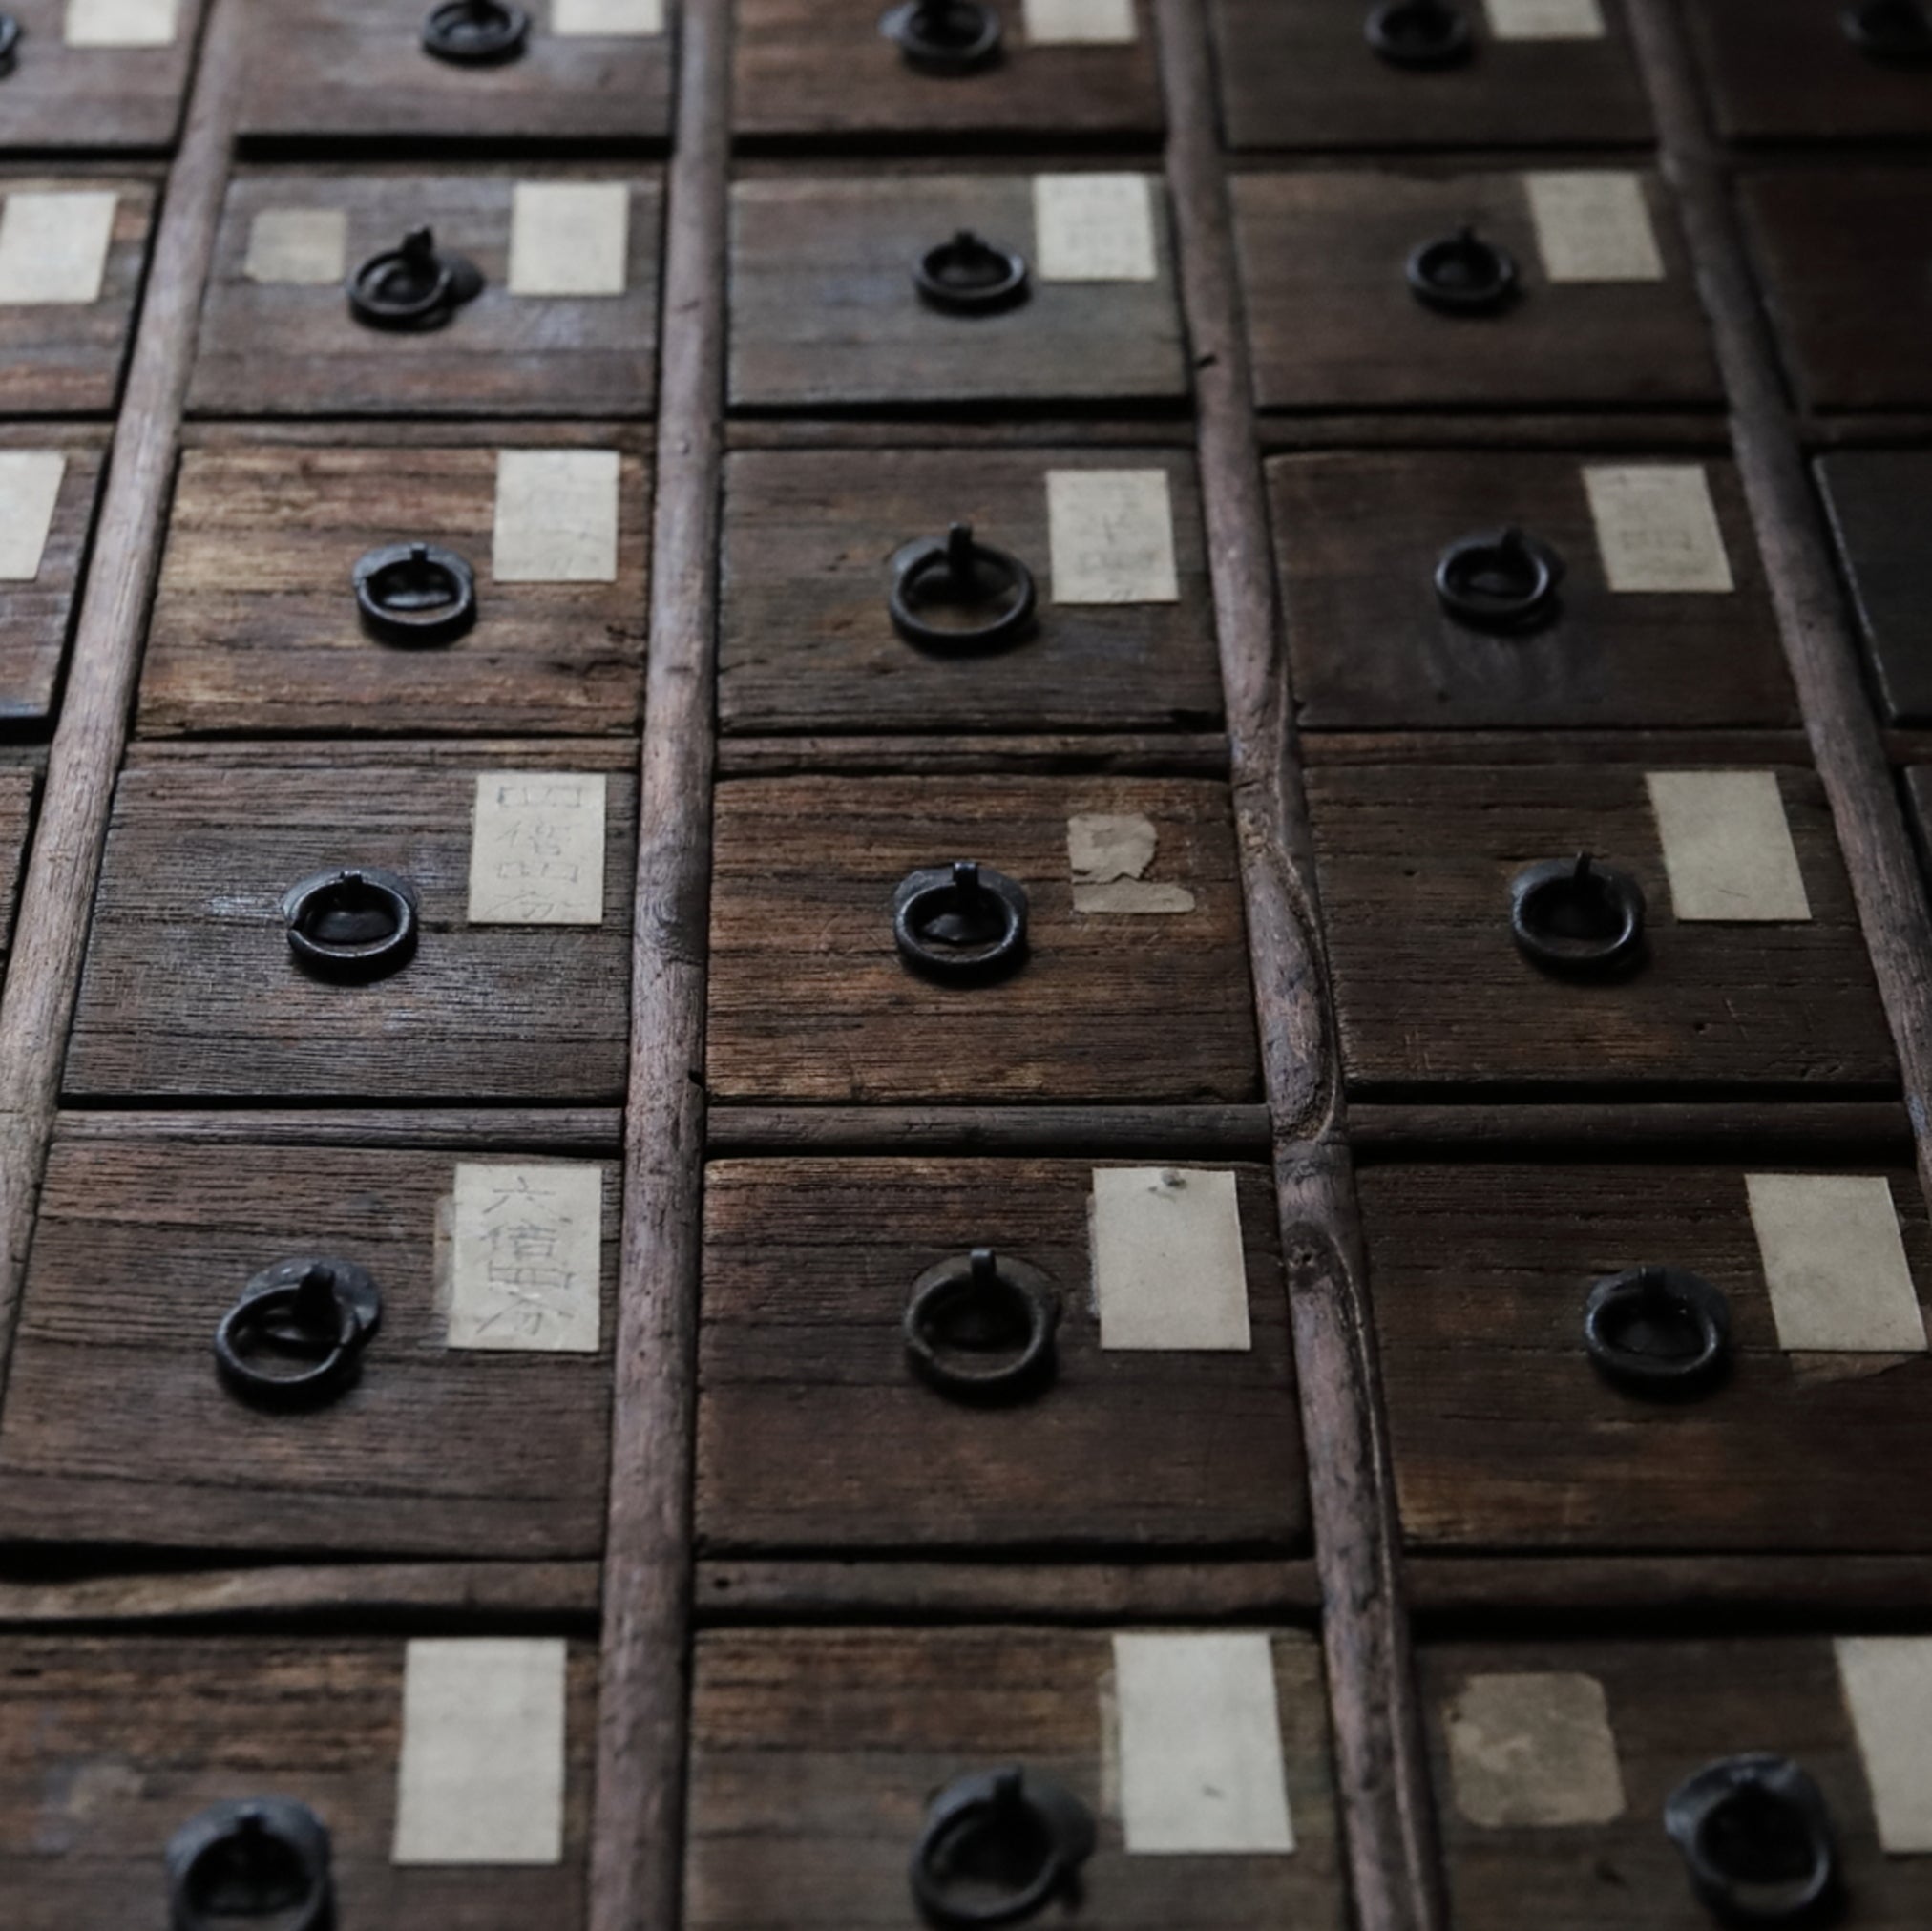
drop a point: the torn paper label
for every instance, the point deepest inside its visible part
(1533, 1750)
(306, 247)
(29, 488)
(536, 848)
(1107, 852)
(569, 238)
(1079, 23)
(1657, 528)
(606, 19)
(1834, 1264)
(1094, 228)
(1111, 537)
(1594, 225)
(53, 246)
(1887, 1684)
(1727, 847)
(557, 517)
(526, 1250)
(1171, 1270)
(1546, 19)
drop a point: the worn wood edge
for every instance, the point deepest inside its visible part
(508, 1130)
(1173, 1131)
(1650, 748)
(1664, 1131)
(1154, 755)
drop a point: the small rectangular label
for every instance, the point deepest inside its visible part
(1834, 1264)
(1081, 23)
(1546, 19)
(1887, 1682)
(569, 238)
(557, 517)
(536, 848)
(1094, 228)
(120, 23)
(606, 19)
(1728, 849)
(1594, 225)
(526, 1249)
(1108, 853)
(1169, 1270)
(481, 1776)
(53, 246)
(1657, 529)
(30, 487)
(1534, 1752)
(307, 248)
(1111, 537)
(1201, 1765)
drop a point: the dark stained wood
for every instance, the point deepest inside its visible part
(1358, 538)
(1671, 1595)
(1646, 1129)
(1919, 797)
(285, 350)
(36, 619)
(594, 1129)
(1167, 754)
(17, 790)
(1332, 323)
(1679, 750)
(1879, 502)
(1175, 1131)
(808, 645)
(113, 97)
(814, 1754)
(255, 630)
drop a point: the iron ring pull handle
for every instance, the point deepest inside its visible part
(327, 1310)
(944, 36)
(475, 32)
(1024, 1822)
(1004, 1300)
(1897, 32)
(1757, 1838)
(1462, 274)
(969, 275)
(958, 569)
(413, 287)
(261, 1858)
(351, 925)
(964, 922)
(1659, 1332)
(1420, 33)
(11, 32)
(414, 594)
(1577, 916)
(1500, 581)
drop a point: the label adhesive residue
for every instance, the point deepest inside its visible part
(1201, 1765)
(1533, 1750)
(30, 487)
(606, 19)
(536, 848)
(53, 246)
(1546, 19)
(1887, 1682)
(1728, 848)
(308, 246)
(1834, 1264)
(1081, 23)
(1094, 228)
(1657, 528)
(557, 517)
(1170, 1268)
(569, 238)
(526, 1244)
(1111, 537)
(1109, 852)
(1594, 225)
(120, 23)
(481, 1776)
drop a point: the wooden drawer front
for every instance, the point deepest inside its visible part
(1507, 1437)
(79, 79)
(256, 627)
(808, 643)
(1880, 507)
(190, 986)
(1417, 866)
(825, 312)
(17, 789)
(816, 1752)
(815, 1433)
(109, 1745)
(352, 68)
(49, 491)
(1300, 74)
(289, 347)
(822, 67)
(1358, 540)
(1645, 1717)
(1332, 323)
(123, 1431)
(810, 999)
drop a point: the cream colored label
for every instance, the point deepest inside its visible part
(1533, 1750)
(1199, 1766)
(536, 848)
(1107, 853)
(1728, 849)
(557, 517)
(569, 238)
(1594, 225)
(1546, 19)
(1081, 23)
(526, 1244)
(30, 487)
(308, 246)
(1657, 528)
(1834, 1264)
(1094, 228)
(1171, 1272)
(481, 1776)
(120, 23)
(1887, 1682)
(606, 19)
(53, 246)
(1111, 537)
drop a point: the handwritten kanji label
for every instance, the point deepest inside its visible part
(569, 238)
(30, 487)
(54, 246)
(526, 1246)
(536, 848)
(300, 247)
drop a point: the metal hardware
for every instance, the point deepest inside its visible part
(1500, 581)
(412, 286)
(1420, 33)
(320, 1312)
(963, 922)
(997, 1847)
(968, 276)
(261, 1858)
(414, 593)
(1661, 1331)
(1461, 274)
(1757, 1838)
(351, 925)
(1899, 31)
(958, 572)
(999, 1315)
(1575, 915)
(475, 32)
(944, 36)
(9, 43)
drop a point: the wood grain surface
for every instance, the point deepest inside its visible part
(113, 97)
(37, 618)
(17, 789)
(1879, 502)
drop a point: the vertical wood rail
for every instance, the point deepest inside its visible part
(636, 1848)
(56, 899)
(1381, 1763)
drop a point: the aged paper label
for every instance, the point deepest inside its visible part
(30, 487)
(1079, 23)
(1728, 849)
(1546, 19)
(54, 246)
(606, 19)
(1533, 1750)
(1094, 228)
(536, 848)
(305, 245)
(526, 1247)
(1887, 1682)
(1107, 853)
(1834, 1264)
(1657, 528)
(569, 238)
(1594, 225)
(120, 23)
(1111, 537)
(1170, 1268)
(557, 517)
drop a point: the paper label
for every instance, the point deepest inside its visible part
(1094, 228)
(1533, 1750)
(306, 247)
(1201, 1765)
(1546, 19)
(53, 246)
(481, 1776)
(1594, 225)
(526, 1245)
(1728, 849)
(606, 19)
(1834, 1264)
(1887, 1682)
(536, 848)
(1170, 1268)
(1111, 537)
(557, 517)
(569, 238)
(1657, 528)
(1107, 852)
(1081, 23)
(120, 23)
(30, 487)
